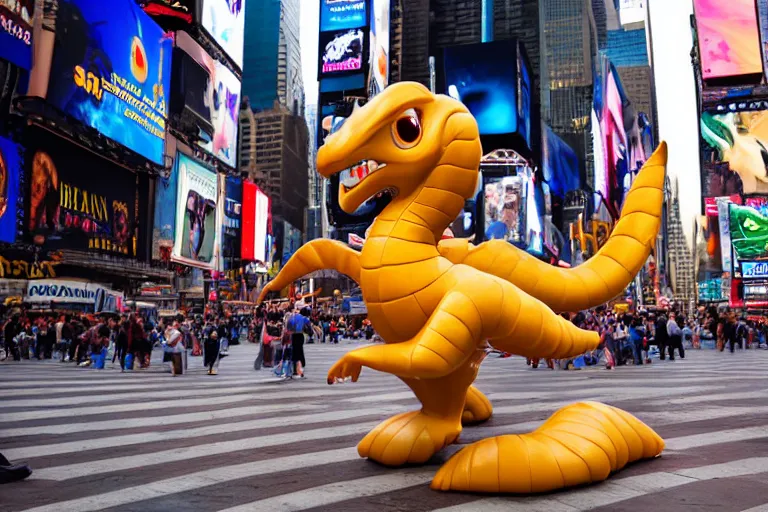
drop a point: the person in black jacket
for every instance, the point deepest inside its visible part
(662, 338)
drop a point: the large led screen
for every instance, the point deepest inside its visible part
(738, 142)
(291, 241)
(111, 71)
(221, 102)
(729, 41)
(505, 208)
(196, 238)
(524, 98)
(341, 52)
(16, 18)
(164, 224)
(484, 78)
(341, 14)
(749, 232)
(379, 59)
(10, 174)
(78, 200)
(232, 194)
(225, 21)
(255, 220)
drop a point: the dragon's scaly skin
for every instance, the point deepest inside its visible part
(436, 305)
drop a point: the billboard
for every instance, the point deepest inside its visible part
(378, 76)
(164, 223)
(10, 176)
(729, 39)
(232, 215)
(631, 11)
(341, 52)
(749, 233)
(16, 18)
(754, 270)
(342, 14)
(182, 9)
(524, 98)
(291, 241)
(111, 74)
(78, 200)
(196, 237)
(738, 141)
(225, 21)
(220, 102)
(255, 220)
(484, 78)
(504, 208)
(102, 299)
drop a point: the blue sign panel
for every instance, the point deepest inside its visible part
(341, 14)
(16, 31)
(111, 71)
(754, 269)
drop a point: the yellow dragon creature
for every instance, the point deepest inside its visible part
(438, 304)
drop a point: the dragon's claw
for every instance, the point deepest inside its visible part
(347, 367)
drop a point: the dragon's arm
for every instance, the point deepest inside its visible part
(600, 278)
(316, 255)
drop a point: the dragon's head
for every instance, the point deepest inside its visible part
(395, 142)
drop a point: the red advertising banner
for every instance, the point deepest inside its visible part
(256, 213)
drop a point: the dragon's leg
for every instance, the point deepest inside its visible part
(477, 409)
(580, 444)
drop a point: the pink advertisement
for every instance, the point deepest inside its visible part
(729, 41)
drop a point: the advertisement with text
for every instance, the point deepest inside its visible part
(341, 14)
(16, 31)
(111, 71)
(341, 52)
(78, 200)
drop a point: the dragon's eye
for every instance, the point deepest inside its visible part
(406, 131)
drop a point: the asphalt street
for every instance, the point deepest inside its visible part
(241, 441)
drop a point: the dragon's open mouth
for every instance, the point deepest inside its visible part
(355, 175)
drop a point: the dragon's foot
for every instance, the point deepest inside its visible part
(580, 444)
(477, 408)
(408, 438)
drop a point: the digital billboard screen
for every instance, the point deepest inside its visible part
(80, 201)
(749, 232)
(111, 71)
(10, 176)
(341, 52)
(505, 207)
(164, 223)
(225, 21)
(231, 219)
(483, 77)
(16, 18)
(341, 14)
(379, 59)
(524, 98)
(255, 223)
(196, 236)
(738, 142)
(219, 104)
(729, 39)
(182, 9)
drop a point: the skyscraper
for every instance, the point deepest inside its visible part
(272, 55)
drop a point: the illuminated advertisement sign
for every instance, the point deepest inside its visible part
(484, 78)
(291, 241)
(80, 201)
(749, 232)
(16, 31)
(225, 21)
(341, 14)
(729, 40)
(197, 238)
(231, 190)
(738, 141)
(116, 80)
(74, 292)
(505, 208)
(754, 269)
(10, 173)
(632, 11)
(255, 220)
(220, 104)
(379, 60)
(164, 223)
(341, 52)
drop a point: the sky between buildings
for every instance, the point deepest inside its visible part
(310, 23)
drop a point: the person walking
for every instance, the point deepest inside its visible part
(211, 352)
(674, 338)
(661, 336)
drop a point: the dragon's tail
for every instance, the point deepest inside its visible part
(580, 444)
(603, 276)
